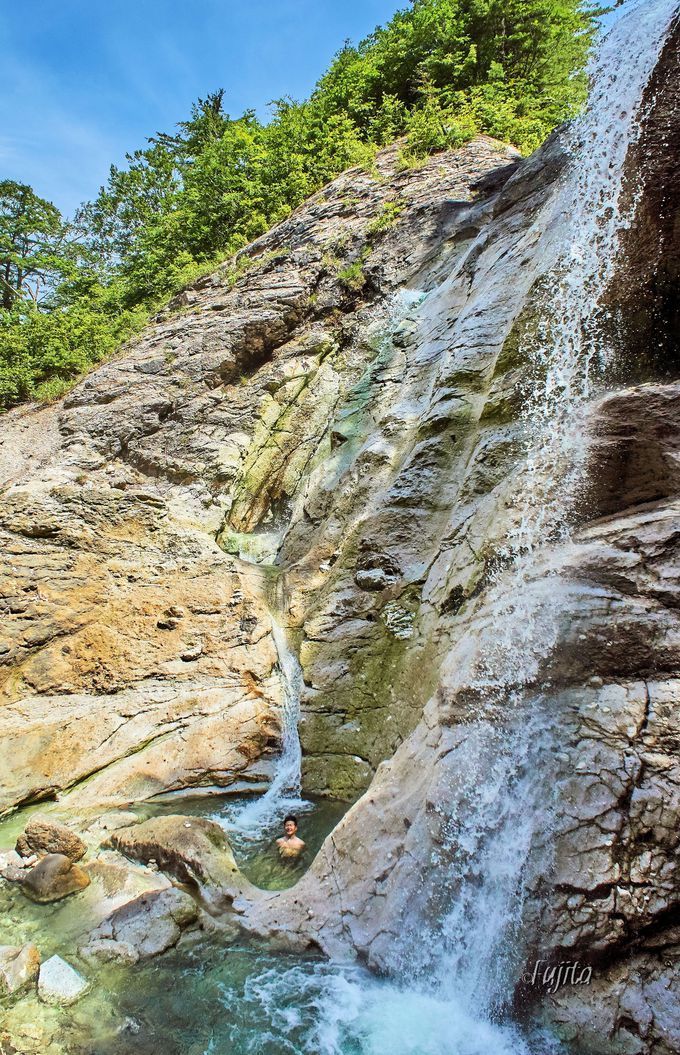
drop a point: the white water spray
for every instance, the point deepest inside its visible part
(500, 771)
(570, 353)
(500, 800)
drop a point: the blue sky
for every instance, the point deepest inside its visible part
(83, 81)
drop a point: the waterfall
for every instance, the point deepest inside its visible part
(569, 353)
(463, 967)
(286, 784)
(454, 972)
(501, 795)
(284, 793)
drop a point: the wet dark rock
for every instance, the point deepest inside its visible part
(54, 877)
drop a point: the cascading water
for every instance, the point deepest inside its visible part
(570, 352)
(284, 793)
(494, 832)
(464, 970)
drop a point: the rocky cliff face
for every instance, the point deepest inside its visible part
(137, 653)
(303, 434)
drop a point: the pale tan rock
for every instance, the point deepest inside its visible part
(383, 476)
(19, 966)
(144, 927)
(59, 983)
(191, 849)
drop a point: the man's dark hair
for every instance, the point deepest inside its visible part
(290, 817)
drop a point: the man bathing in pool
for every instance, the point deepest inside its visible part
(290, 845)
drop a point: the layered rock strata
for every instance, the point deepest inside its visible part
(305, 405)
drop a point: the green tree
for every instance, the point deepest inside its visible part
(437, 73)
(35, 252)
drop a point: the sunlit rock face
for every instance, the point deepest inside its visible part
(137, 653)
(332, 431)
(596, 688)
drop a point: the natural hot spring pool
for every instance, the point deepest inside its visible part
(212, 996)
(256, 855)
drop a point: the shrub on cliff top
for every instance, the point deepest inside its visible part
(439, 72)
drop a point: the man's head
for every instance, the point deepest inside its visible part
(290, 825)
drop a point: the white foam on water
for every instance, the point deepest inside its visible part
(331, 1010)
(454, 980)
(499, 798)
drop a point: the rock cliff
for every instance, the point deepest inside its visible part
(329, 430)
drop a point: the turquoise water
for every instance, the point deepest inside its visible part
(240, 1000)
(211, 996)
(257, 856)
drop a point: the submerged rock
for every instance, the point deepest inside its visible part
(141, 929)
(43, 835)
(19, 966)
(59, 983)
(54, 877)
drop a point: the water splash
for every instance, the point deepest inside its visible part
(325, 1009)
(569, 353)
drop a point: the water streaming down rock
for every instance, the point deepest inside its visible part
(568, 346)
(493, 802)
(284, 794)
(453, 860)
(496, 826)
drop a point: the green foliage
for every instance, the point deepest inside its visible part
(34, 245)
(386, 218)
(42, 350)
(438, 73)
(352, 277)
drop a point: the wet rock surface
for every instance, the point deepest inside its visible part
(54, 877)
(123, 615)
(192, 849)
(144, 927)
(374, 448)
(19, 966)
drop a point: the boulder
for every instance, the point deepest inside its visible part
(42, 835)
(19, 966)
(192, 849)
(59, 983)
(627, 1008)
(141, 929)
(54, 877)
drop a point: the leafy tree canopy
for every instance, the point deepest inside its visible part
(439, 72)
